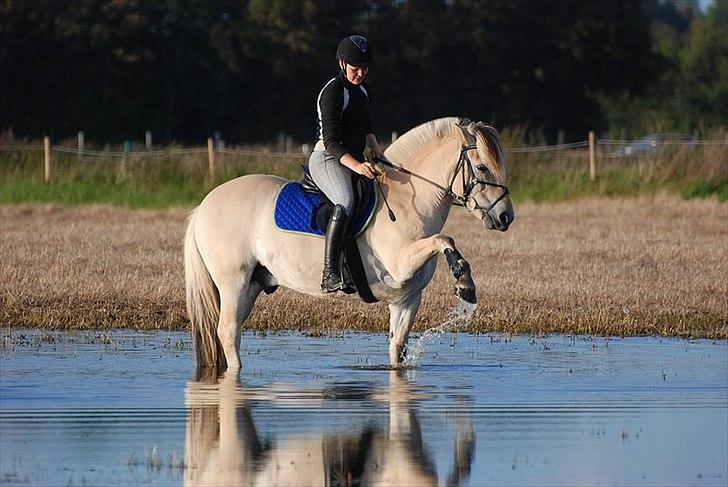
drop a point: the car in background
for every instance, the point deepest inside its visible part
(653, 143)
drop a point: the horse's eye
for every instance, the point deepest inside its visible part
(481, 167)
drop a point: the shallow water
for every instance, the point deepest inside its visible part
(125, 408)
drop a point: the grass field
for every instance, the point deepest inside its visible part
(648, 265)
(176, 178)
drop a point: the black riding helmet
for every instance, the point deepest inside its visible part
(355, 50)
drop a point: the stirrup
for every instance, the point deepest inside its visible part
(331, 282)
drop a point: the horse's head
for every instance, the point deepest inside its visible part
(481, 176)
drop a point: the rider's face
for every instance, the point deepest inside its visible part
(355, 74)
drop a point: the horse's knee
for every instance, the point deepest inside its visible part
(444, 242)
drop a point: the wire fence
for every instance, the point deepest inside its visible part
(594, 149)
(613, 143)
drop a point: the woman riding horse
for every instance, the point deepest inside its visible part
(344, 130)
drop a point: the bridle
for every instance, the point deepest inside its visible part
(464, 168)
(470, 181)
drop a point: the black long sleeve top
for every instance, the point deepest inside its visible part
(344, 117)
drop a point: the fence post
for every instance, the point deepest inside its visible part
(592, 156)
(124, 160)
(81, 145)
(148, 139)
(47, 152)
(211, 158)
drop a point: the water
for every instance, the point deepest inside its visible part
(127, 409)
(459, 317)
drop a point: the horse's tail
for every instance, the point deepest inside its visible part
(203, 304)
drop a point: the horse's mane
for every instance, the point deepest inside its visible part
(412, 142)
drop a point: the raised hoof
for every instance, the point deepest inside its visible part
(467, 295)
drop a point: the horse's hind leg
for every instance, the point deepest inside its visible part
(236, 303)
(401, 317)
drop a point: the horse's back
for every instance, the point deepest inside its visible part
(228, 220)
(244, 191)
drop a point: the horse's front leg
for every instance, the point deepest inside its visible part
(401, 316)
(464, 285)
(416, 254)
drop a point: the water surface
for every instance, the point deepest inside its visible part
(127, 408)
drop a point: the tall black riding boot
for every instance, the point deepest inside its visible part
(335, 234)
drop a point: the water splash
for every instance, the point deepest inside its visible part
(459, 317)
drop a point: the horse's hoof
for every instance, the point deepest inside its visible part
(467, 295)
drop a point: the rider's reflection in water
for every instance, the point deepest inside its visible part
(223, 447)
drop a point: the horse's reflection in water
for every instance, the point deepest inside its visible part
(223, 446)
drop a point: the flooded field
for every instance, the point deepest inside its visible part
(127, 408)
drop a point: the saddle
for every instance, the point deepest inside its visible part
(363, 193)
(366, 202)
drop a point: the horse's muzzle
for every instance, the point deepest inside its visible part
(499, 222)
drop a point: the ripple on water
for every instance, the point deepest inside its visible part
(498, 410)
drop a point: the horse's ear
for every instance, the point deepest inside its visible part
(468, 129)
(488, 128)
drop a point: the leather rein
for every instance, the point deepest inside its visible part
(464, 168)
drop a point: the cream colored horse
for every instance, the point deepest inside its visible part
(233, 249)
(223, 443)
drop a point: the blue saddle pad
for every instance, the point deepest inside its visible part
(295, 211)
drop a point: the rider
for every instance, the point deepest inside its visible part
(344, 130)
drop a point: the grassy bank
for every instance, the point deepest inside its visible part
(181, 179)
(650, 265)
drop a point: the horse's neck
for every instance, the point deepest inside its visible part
(431, 204)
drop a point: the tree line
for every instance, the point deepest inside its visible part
(252, 69)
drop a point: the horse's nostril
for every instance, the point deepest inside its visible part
(504, 218)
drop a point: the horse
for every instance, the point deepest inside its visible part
(233, 250)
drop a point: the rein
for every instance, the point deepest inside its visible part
(469, 181)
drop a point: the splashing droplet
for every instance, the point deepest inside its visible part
(459, 317)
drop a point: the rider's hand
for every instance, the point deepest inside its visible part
(366, 170)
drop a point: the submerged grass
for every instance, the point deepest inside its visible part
(649, 265)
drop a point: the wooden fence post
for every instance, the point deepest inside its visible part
(592, 156)
(211, 158)
(124, 160)
(47, 152)
(81, 145)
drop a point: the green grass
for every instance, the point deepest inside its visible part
(181, 180)
(143, 182)
(691, 173)
(706, 189)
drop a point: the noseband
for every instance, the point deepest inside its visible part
(464, 167)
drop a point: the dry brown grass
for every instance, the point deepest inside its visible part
(599, 266)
